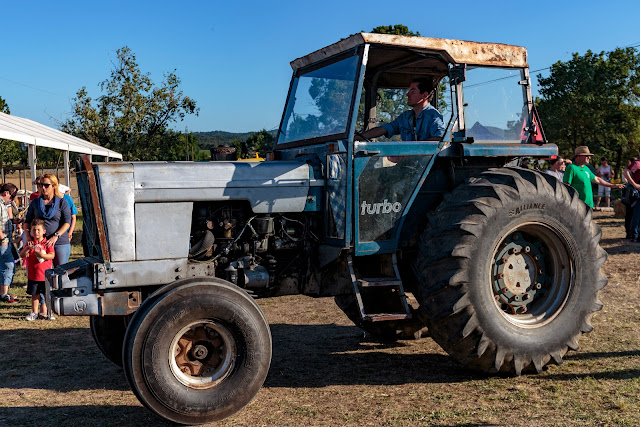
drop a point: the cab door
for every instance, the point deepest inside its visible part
(387, 177)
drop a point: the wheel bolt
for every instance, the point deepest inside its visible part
(527, 248)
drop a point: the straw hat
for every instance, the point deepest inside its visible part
(583, 150)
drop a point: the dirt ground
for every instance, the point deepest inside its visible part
(325, 372)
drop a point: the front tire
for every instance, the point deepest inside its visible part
(508, 271)
(197, 353)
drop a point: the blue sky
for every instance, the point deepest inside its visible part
(234, 58)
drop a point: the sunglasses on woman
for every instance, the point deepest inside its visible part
(42, 184)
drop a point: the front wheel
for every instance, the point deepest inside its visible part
(198, 352)
(509, 271)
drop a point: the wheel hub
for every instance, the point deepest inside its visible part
(203, 354)
(519, 273)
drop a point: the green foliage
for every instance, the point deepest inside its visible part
(4, 107)
(11, 153)
(217, 138)
(592, 99)
(257, 143)
(133, 115)
(398, 30)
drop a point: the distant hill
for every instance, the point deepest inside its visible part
(481, 132)
(215, 138)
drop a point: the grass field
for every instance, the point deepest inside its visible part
(324, 372)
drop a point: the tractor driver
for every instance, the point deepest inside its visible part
(422, 123)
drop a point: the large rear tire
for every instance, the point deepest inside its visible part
(508, 271)
(198, 352)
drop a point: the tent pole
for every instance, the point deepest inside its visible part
(67, 178)
(31, 155)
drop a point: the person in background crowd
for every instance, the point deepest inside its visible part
(580, 177)
(35, 194)
(66, 192)
(556, 167)
(8, 192)
(605, 172)
(19, 240)
(632, 174)
(628, 212)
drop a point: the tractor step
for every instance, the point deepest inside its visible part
(380, 283)
(386, 316)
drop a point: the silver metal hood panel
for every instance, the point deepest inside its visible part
(268, 186)
(143, 202)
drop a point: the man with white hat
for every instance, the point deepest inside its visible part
(580, 177)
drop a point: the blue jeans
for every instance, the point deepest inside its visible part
(635, 221)
(62, 254)
(7, 265)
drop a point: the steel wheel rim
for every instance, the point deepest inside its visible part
(202, 354)
(532, 275)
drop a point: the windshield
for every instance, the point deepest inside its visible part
(495, 104)
(320, 101)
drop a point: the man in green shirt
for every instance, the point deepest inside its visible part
(579, 176)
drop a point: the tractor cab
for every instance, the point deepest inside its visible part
(483, 92)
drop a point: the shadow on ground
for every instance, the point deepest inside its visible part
(79, 416)
(620, 246)
(323, 355)
(303, 356)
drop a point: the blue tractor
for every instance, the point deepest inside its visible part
(499, 262)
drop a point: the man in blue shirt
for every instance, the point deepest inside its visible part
(66, 193)
(421, 123)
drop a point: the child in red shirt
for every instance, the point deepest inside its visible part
(40, 258)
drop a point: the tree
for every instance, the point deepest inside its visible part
(593, 100)
(4, 107)
(398, 30)
(259, 143)
(133, 115)
(10, 151)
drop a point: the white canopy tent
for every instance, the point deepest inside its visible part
(34, 135)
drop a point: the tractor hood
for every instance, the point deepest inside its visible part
(268, 186)
(165, 191)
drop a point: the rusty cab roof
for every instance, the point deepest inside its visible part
(394, 60)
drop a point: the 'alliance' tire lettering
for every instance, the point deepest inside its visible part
(520, 209)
